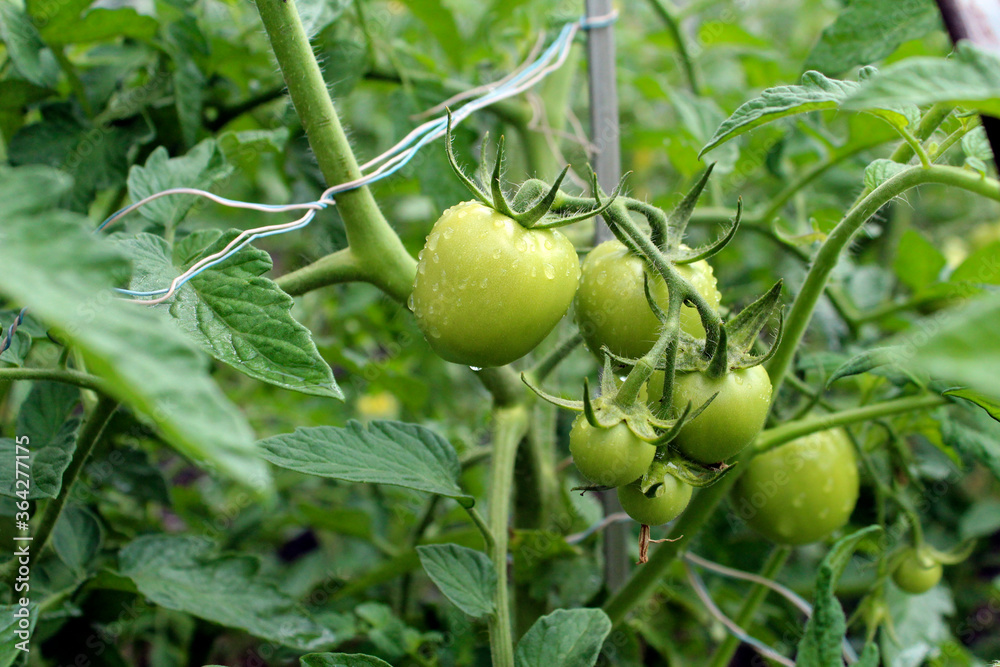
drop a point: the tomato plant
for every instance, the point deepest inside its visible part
(300, 366)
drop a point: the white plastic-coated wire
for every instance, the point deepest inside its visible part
(534, 69)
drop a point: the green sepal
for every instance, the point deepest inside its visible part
(499, 198)
(588, 406)
(655, 307)
(551, 221)
(742, 331)
(529, 217)
(704, 252)
(718, 365)
(569, 404)
(954, 556)
(476, 191)
(749, 360)
(692, 474)
(678, 220)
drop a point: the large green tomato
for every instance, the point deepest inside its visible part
(611, 306)
(801, 491)
(671, 498)
(917, 572)
(487, 289)
(609, 456)
(730, 422)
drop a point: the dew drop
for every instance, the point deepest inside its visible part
(432, 241)
(497, 253)
(484, 282)
(461, 213)
(550, 271)
(420, 255)
(409, 302)
(520, 245)
(421, 268)
(435, 258)
(549, 245)
(602, 277)
(498, 224)
(448, 233)
(534, 271)
(475, 369)
(435, 333)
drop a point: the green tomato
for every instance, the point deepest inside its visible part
(802, 491)
(730, 422)
(609, 456)
(917, 572)
(487, 289)
(670, 500)
(611, 306)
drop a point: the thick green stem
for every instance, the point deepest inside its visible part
(54, 375)
(373, 242)
(839, 239)
(338, 267)
(779, 435)
(756, 596)
(509, 426)
(90, 434)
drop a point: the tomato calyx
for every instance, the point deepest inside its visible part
(532, 205)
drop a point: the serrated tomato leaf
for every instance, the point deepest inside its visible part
(232, 311)
(564, 638)
(384, 452)
(465, 576)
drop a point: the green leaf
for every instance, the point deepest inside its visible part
(970, 78)
(243, 148)
(385, 452)
(64, 275)
(964, 347)
(816, 92)
(868, 30)
(77, 538)
(96, 157)
(564, 638)
(440, 21)
(869, 360)
(234, 313)
(981, 520)
(199, 168)
(16, 94)
(975, 144)
(991, 406)
(189, 90)
(982, 267)
(973, 444)
(880, 171)
(341, 660)
(25, 47)
(46, 420)
(10, 629)
(920, 623)
(465, 576)
(821, 644)
(918, 261)
(183, 574)
(21, 187)
(100, 24)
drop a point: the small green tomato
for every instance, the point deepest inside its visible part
(670, 500)
(917, 572)
(609, 456)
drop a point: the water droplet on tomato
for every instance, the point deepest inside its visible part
(409, 302)
(475, 369)
(435, 258)
(435, 333)
(549, 245)
(550, 271)
(432, 241)
(484, 282)
(520, 245)
(497, 253)
(534, 271)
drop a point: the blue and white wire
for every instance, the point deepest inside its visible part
(9, 338)
(394, 159)
(699, 588)
(429, 131)
(783, 591)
